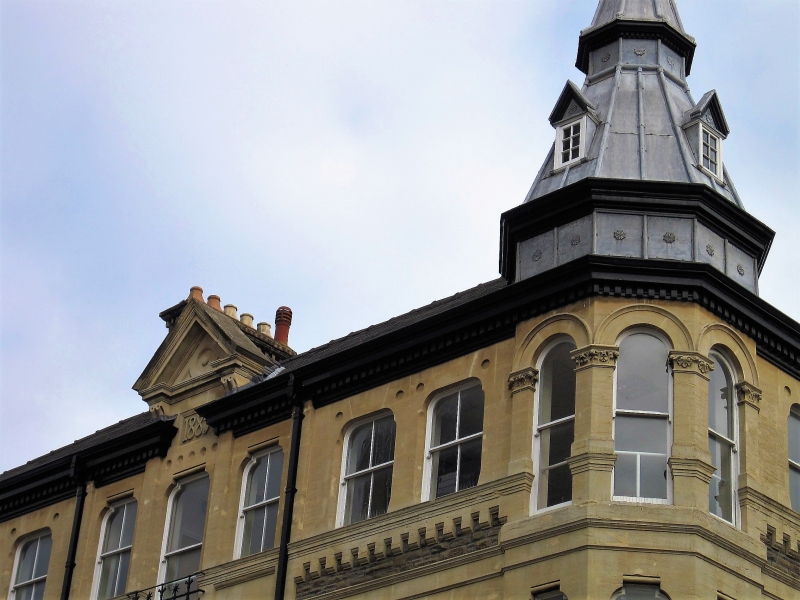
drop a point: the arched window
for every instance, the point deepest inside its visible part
(367, 470)
(455, 442)
(632, 591)
(555, 424)
(185, 527)
(115, 550)
(794, 456)
(33, 561)
(642, 419)
(722, 440)
(258, 515)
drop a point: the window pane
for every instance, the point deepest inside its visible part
(189, 517)
(625, 475)
(128, 524)
(384, 441)
(470, 468)
(555, 486)
(642, 378)
(555, 443)
(275, 473)
(256, 480)
(381, 491)
(360, 445)
(720, 399)
(445, 420)
(576, 129)
(565, 144)
(27, 557)
(122, 576)
(641, 434)
(271, 526)
(358, 498)
(576, 142)
(253, 529)
(653, 476)
(30, 592)
(557, 395)
(43, 556)
(706, 164)
(794, 437)
(108, 577)
(567, 132)
(444, 465)
(794, 483)
(183, 564)
(114, 529)
(471, 412)
(720, 496)
(705, 137)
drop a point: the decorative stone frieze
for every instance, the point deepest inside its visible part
(418, 550)
(194, 426)
(595, 356)
(592, 461)
(691, 467)
(747, 394)
(691, 362)
(781, 554)
(524, 379)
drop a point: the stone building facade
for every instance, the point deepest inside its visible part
(615, 417)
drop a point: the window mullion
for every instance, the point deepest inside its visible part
(455, 442)
(30, 581)
(794, 464)
(181, 550)
(556, 422)
(458, 466)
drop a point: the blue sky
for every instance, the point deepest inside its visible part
(347, 159)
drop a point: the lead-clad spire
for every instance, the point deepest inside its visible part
(634, 117)
(638, 10)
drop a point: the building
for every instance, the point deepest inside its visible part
(616, 416)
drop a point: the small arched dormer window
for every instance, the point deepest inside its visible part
(643, 414)
(258, 515)
(31, 566)
(367, 470)
(722, 439)
(794, 456)
(555, 424)
(455, 441)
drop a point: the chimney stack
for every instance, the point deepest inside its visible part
(247, 319)
(230, 310)
(283, 320)
(213, 302)
(265, 329)
(196, 293)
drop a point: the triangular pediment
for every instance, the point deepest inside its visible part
(709, 111)
(570, 103)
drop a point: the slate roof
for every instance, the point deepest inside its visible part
(642, 96)
(126, 426)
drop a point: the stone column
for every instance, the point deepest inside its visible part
(748, 400)
(522, 385)
(593, 457)
(690, 460)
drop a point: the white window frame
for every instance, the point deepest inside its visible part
(98, 568)
(537, 455)
(341, 506)
(12, 591)
(162, 565)
(427, 471)
(793, 413)
(703, 128)
(557, 162)
(644, 413)
(237, 549)
(719, 357)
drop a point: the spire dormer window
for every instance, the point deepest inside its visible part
(570, 142)
(711, 151)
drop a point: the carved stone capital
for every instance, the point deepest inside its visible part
(592, 461)
(691, 362)
(524, 379)
(691, 467)
(595, 356)
(747, 394)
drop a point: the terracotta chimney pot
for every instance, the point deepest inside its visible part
(213, 302)
(265, 329)
(196, 293)
(247, 319)
(230, 310)
(283, 320)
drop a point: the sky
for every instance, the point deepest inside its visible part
(347, 159)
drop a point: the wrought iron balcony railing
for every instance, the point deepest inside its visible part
(185, 588)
